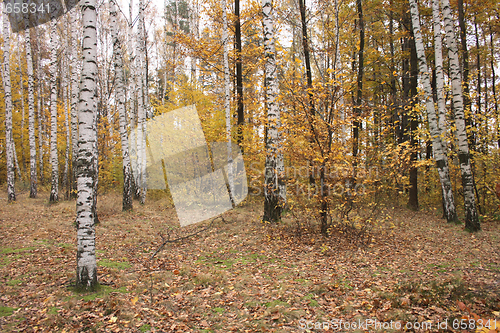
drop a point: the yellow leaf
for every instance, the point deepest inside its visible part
(113, 319)
(134, 300)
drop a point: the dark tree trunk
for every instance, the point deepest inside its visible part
(495, 100)
(307, 61)
(356, 124)
(239, 74)
(413, 198)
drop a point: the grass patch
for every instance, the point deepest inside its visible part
(145, 328)
(14, 282)
(6, 311)
(218, 310)
(100, 292)
(53, 311)
(113, 264)
(9, 250)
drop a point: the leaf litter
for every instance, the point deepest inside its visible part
(240, 275)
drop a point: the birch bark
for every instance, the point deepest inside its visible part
(438, 54)
(441, 160)
(274, 168)
(9, 140)
(31, 116)
(54, 190)
(120, 100)
(75, 70)
(141, 109)
(471, 216)
(86, 272)
(227, 99)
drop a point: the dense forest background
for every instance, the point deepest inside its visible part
(353, 122)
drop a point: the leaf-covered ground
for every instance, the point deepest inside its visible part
(241, 275)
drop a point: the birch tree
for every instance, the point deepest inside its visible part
(75, 68)
(438, 55)
(120, 100)
(31, 116)
(274, 189)
(39, 111)
(227, 99)
(9, 140)
(471, 216)
(86, 267)
(54, 190)
(141, 107)
(437, 145)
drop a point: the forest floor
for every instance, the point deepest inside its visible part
(242, 275)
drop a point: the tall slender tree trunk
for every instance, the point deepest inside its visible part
(356, 124)
(439, 87)
(141, 110)
(471, 216)
(75, 70)
(9, 140)
(23, 113)
(239, 74)
(31, 115)
(438, 56)
(274, 167)
(393, 99)
(439, 155)
(307, 63)
(40, 112)
(120, 100)
(227, 100)
(494, 81)
(54, 191)
(465, 66)
(413, 193)
(86, 268)
(66, 183)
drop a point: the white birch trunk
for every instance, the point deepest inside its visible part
(75, 70)
(86, 272)
(39, 111)
(9, 140)
(23, 113)
(438, 55)
(31, 115)
(54, 190)
(40, 122)
(66, 127)
(120, 101)
(273, 179)
(141, 109)
(437, 145)
(16, 161)
(471, 216)
(133, 144)
(227, 100)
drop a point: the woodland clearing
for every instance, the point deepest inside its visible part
(240, 275)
